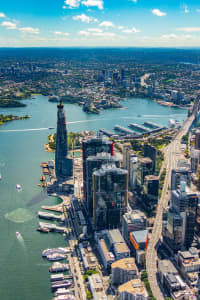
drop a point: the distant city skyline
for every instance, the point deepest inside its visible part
(94, 23)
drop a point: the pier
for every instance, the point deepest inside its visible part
(50, 216)
(139, 127)
(106, 132)
(151, 125)
(52, 227)
(125, 130)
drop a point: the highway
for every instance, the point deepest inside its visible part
(172, 155)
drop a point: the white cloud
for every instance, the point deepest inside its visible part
(61, 33)
(132, 30)
(85, 19)
(120, 27)
(29, 30)
(72, 3)
(189, 29)
(158, 12)
(133, 0)
(169, 36)
(107, 24)
(198, 10)
(186, 10)
(9, 25)
(2, 15)
(94, 30)
(104, 34)
(93, 3)
(173, 36)
(84, 33)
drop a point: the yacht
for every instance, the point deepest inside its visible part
(55, 256)
(59, 250)
(18, 187)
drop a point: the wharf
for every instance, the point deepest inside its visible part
(125, 130)
(139, 127)
(53, 227)
(57, 208)
(49, 216)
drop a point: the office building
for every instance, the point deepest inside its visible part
(182, 173)
(92, 146)
(130, 163)
(133, 221)
(110, 196)
(151, 152)
(151, 190)
(95, 163)
(144, 169)
(124, 270)
(139, 242)
(197, 139)
(133, 290)
(63, 165)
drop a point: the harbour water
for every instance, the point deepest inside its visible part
(23, 272)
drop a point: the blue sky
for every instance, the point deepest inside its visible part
(128, 23)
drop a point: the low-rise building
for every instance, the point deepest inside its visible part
(139, 240)
(133, 290)
(124, 270)
(133, 221)
(107, 256)
(96, 287)
(89, 259)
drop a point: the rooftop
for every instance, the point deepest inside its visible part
(140, 236)
(134, 286)
(125, 263)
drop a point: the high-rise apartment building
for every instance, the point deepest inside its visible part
(63, 165)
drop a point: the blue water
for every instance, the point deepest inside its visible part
(23, 273)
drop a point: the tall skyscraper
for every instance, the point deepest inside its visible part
(92, 146)
(197, 139)
(63, 165)
(110, 196)
(94, 163)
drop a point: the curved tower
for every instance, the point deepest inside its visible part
(63, 165)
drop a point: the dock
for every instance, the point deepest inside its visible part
(124, 130)
(50, 216)
(139, 127)
(106, 132)
(52, 227)
(151, 125)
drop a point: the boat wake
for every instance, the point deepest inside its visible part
(24, 130)
(20, 239)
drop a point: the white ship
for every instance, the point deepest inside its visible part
(55, 256)
(59, 250)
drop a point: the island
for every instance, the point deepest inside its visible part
(8, 118)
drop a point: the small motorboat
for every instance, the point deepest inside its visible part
(18, 187)
(42, 178)
(17, 234)
(0, 177)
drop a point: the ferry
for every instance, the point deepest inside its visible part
(45, 230)
(61, 284)
(55, 256)
(59, 250)
(57, 267)
(18, 187)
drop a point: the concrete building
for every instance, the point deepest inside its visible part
(107, 256)
(139, 241)
(133, 290)
(96, 287)
(189, 265)
(89, 259)
(133, 221)
(95, 163)
(130, 163)
(63, 165)
(124, 270)
(110, 196)
(182, 173)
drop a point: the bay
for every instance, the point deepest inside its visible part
(23, 272)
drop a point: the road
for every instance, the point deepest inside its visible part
(172, 154)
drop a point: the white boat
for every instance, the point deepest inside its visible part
(59, 250)
(17, 234)
(18, 187)
(0, 176)
(55, 256)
